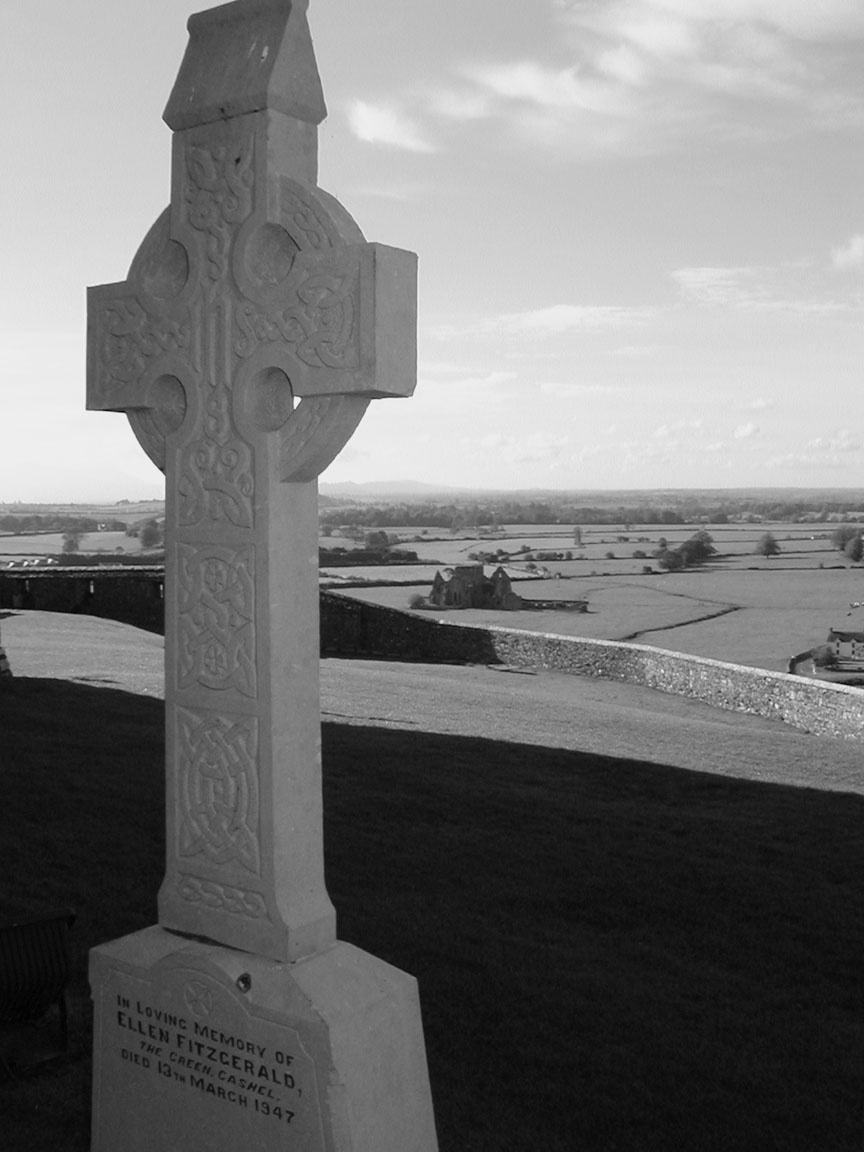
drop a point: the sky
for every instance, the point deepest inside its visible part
(640, 230)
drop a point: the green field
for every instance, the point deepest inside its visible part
(740, 606)
(51, 544)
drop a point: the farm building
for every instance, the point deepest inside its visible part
(469, 587)
(847, 648)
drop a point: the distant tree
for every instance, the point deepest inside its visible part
(377, 541)
(854, 549)
(610, 556)
(766, 545)
(577, 536)
(640, 555)
(697, 549)
(662, 544)
(841, 536)
(71, 542)
(669, 561)
(417, 601)
(150, 535)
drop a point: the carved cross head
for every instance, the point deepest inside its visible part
(254, 316)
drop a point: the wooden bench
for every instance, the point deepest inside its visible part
(34, 972)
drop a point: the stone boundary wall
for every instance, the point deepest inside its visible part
(354, 627)
(529, 604)
(130, 595)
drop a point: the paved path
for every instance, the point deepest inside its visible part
(548, 709)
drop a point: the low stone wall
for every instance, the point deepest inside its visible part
(356, 628)
(130, 595)
(532, 605)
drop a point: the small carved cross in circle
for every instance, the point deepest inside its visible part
(199, 998)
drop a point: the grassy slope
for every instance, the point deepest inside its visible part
(611, 955)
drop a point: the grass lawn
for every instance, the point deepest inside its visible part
(612, 956)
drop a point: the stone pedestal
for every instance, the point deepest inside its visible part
(207, 1049)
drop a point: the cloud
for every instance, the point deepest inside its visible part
(647, 75)
(566, 391)
(489, 380)
(850, 254)
(799, 460)
(664, 431)
(536, 448)
(642, 77)
(381, 124)
(535, 84)
(746, 431)
(842, 442)
(714, 286)
(793, 288)
(398, 191)
(557, 319)
(464, 103)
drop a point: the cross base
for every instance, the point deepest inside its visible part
(200, 1046)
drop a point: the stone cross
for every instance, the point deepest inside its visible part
(253, 329)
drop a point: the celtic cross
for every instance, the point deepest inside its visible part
(253, 329)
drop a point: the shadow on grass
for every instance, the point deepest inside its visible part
(612, 956)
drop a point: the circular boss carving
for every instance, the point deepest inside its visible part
(268, 400)
(161, 265)
(270, 254)
(167, 400)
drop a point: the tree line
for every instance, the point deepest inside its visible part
(17, 524)
(490, 513)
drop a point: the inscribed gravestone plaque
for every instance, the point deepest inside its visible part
(253, 329)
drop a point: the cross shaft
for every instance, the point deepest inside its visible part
(254, 289)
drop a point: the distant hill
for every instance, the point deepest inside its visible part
(372, 489)
(414, 489)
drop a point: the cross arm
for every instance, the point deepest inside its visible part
(346, 323)
(123, 339)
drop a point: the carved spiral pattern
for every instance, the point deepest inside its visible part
(219, 197)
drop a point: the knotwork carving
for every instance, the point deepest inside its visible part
(222, 896)
(218, 195)
(317, 318)
(131, 337)
(216, 617)
(299, 215)
(218, 788)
